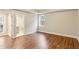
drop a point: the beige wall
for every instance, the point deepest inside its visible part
(61, 22)
(30, 23)
(65, 22)
(78, 23)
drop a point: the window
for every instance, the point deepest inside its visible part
(1, 24)
(41, 20)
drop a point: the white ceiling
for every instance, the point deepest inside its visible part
(41, 11)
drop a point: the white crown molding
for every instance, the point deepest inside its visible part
(45, 11)
(34, 11)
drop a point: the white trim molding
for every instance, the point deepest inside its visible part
(66, 35)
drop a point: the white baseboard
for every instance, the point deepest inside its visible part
(61, 34)
(30, 33)
(27, 33)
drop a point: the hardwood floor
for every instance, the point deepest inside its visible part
(61, 42)
(39, 41)
(6, 41)
(23, 42)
